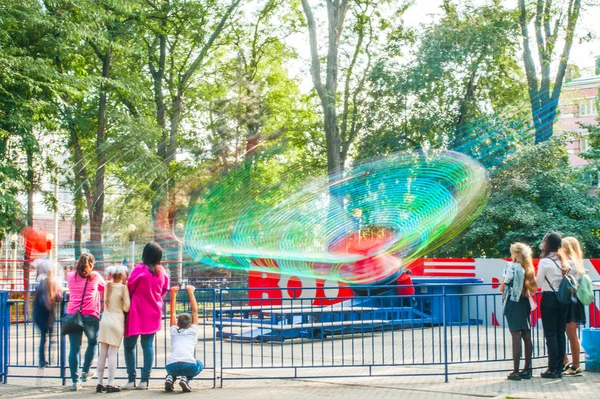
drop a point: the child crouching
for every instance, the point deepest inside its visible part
(182, 363)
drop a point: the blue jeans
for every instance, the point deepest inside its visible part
(45, 333)
(181, 369)
(129, 344)
(91, 325)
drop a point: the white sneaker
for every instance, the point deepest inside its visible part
(130, 385)
(88, 376)
(76, 386)
(143, 385)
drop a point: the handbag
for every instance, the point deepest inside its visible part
(566, 290)
(585, 291)
(532, 303)
(71, 323)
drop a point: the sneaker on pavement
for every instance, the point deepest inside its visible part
(185, 384)
(169, 383)
(76, 386)
(143, 385)
(88, 376)
(128, 386)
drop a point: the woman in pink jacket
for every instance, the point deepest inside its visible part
(148, 283)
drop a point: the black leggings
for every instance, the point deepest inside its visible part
(554, 320)
(516, 348)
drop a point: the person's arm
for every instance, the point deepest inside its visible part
(132, 281)
(502, 287)
(174, 291)
(100, 280)
(166, 283)
(541, 274)
(190, 290)
(126, 300)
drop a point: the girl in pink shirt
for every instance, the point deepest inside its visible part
(148, 283)
(85, 287)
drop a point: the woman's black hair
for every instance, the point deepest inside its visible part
(151, 257)
(552, 242)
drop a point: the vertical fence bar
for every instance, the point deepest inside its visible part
(63, 344)
(445, 333)
(4, 335)
(220, 339)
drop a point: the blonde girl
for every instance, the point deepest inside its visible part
(112, 326)
(571, 250)
(518, 284)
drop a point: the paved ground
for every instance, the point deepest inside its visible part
(477, 386)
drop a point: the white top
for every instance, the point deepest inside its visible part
(183, 344)
(574, 273)
(550, 270)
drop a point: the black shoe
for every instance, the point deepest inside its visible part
(169, 383)
(525, 374)
(185, 385)
(551, 374)
(112, 388)
(514, 376)
(43, 365)
(100, 388)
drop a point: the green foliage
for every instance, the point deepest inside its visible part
(465, 68)
(535, 193)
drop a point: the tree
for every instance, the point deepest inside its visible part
(538, 191)
(543, 93)
(178, 37)
(454, 91)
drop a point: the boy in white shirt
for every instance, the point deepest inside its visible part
(184, 336)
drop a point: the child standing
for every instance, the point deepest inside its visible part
(112, 325)
(184, 336)
(517, 286)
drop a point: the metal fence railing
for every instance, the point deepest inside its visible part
(441, 330)
(21, 342)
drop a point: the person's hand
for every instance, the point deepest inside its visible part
(174, 290)
(190, 288)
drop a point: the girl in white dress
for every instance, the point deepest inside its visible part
(112, 325)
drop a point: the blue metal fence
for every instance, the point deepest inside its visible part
(442, 330)
(21, 341)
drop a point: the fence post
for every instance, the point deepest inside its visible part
(220, 338)
(63, 344)
(444, 310)
(4, 334)
(214, 306)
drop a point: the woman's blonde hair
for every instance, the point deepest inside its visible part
(573, 251)
(521, 254)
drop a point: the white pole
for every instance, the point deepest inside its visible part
(131, 255)
(56, 240)
(180, 263)
(14, 268)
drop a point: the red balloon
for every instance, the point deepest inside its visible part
(36, 239)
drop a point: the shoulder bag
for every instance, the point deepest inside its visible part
(71, 323)
(566, 290)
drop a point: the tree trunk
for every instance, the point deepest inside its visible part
(97, 216)
(79, 209)
(30, 193)
(543, 98)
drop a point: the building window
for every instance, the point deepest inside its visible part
(587, 107)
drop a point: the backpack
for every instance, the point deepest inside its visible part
(566, 290)
(585, 291)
